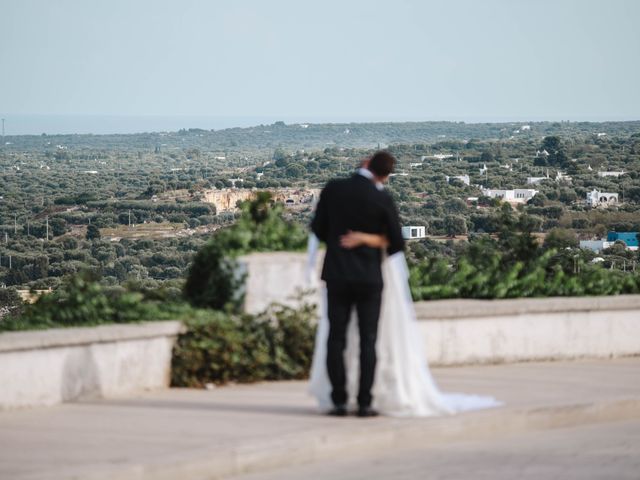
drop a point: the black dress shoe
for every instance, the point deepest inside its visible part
(338, 411)
(367, 412)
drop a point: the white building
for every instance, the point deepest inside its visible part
(601, 199)
(595, 245)
(437, 156)
(535, 180)
(413, 232)
(519, 195)
(463, 178)
(610, 174)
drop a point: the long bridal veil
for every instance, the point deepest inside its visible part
(403, 385)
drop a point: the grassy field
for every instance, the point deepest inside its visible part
(144, 230)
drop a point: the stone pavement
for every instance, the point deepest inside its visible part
(198, 434)
(608, 451)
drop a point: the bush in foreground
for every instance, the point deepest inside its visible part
(219, 347)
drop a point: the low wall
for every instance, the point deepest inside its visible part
(494, 331)
(480, 331)
(59, 365)
(278, 277)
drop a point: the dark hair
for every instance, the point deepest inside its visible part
(382, 163)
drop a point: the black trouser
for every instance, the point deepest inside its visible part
(341, 299)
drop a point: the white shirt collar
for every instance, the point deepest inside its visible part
(367, 174)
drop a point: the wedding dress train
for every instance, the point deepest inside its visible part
(403, 385)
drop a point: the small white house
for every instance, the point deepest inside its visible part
(610, 174)
(601, 199)
(519, 195)
(535, 180)
(463, 178)
(595, 245)
(414, 232)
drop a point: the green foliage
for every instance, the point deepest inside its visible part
(559, 238)
(219, 347)
(214, 279)
(513, 267)
(93, 232)
(82, 301)
(10, 303)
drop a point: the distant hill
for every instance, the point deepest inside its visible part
(307, 136)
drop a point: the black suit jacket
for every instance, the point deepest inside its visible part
(355, 204)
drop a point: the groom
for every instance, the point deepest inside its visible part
(353, 276)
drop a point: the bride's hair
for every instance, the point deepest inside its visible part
(382, 163)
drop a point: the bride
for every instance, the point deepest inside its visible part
(403, 385)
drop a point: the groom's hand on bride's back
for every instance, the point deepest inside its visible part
(351, 240)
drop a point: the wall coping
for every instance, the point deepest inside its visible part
(65, 337)
(467, 308)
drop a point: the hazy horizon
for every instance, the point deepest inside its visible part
(218, 62)
(37, 124)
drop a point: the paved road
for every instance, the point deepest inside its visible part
(608, 451)
(195, 434)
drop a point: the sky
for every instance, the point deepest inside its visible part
(332, 59)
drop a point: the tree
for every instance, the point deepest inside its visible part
(280, 157)
(455, 225)
(455, 205)
(561, 238)
(93, 232)
(295, 170)
(554, 148)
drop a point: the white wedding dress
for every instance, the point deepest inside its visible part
(403, 385)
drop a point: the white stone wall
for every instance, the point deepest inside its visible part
(475, 331)
(53, 366)
(279, 277)
(482, 331)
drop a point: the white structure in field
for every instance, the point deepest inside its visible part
(519, 195)
(611, 174)
(463, 178)
(596, 245)
(412, 232)
(535, 180)
(437, 156)
(601, 199)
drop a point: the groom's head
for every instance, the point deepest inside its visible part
(381, 165)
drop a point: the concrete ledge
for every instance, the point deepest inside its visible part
(466, 308)
(66, 337)
(494, 331)
(464, 331)
(59, 365)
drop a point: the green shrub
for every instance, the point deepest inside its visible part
(220, 347)
(497, 275)
(82, 301)
(215, 279)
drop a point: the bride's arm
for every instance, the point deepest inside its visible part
(357, 239)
